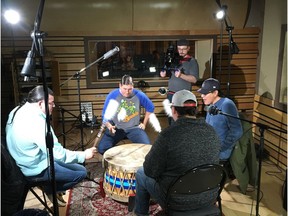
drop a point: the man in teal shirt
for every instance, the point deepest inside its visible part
(26, 142)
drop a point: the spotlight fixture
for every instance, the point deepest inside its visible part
(220, 15)
(12, 16)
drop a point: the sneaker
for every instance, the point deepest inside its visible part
(60, 203)
(60, 197)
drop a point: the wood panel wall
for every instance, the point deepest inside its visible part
(275, 142)
(70, 54)
(241, 74)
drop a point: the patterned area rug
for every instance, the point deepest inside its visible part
(85, 198)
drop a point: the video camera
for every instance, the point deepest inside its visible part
(171, 60)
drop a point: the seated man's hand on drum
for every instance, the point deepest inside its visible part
(142, 126)
(90, 153)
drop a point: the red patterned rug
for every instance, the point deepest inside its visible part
(85, 198)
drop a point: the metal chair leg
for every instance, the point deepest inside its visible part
(44, 203)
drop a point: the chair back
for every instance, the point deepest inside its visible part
(12, 181)
(201, 179)
(15, 186)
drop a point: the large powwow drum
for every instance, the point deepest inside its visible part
(121, 164)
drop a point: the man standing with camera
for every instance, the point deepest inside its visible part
(185, 73)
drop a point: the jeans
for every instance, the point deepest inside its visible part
(135, 135)
(66, 176)
(146, 187)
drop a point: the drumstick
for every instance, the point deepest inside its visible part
(122, 114)
(108, 115)
(99, 135)
(153, 120)
(167, 107)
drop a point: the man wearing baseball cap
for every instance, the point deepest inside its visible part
(228, 129)
(187, 143)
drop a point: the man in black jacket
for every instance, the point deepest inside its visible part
(187, 143)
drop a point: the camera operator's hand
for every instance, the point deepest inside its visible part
(178, 73)
(163, 73)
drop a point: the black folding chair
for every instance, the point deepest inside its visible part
(15, 186)
(202, 179)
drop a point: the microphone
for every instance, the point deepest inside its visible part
(111, 52)
(162, 91)
(212, 110)
(28, 69)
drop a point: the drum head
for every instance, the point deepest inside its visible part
(128, 157)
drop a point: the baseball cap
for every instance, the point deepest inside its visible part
(209, 85)
(180, 97)
(182, 42)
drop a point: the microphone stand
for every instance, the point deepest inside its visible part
(62, 110)
(262, 128)
(63, 126)
(64, 132)
(38, 45)
(231, 44)
(77, 76)
(229, 29)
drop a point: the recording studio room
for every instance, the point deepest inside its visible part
(83, 51)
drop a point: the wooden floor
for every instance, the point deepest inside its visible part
(233, 201)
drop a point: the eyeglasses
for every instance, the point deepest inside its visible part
(51, 104)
